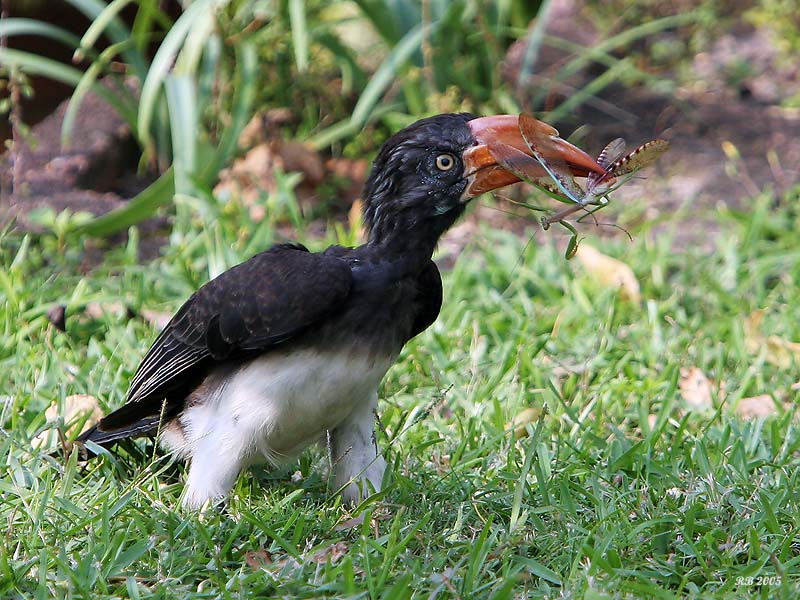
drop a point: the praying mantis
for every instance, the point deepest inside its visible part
(615, 169)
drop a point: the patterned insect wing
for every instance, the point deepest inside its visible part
(641, 157)
(611, 153)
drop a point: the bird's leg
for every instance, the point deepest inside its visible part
(357, 463)
(212, 474)
(219, 444)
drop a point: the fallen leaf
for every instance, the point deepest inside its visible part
(156, 318)
(695, 389)
(98, 310)
(519, 422)
(79, 411)
(609, 272)
(332, 553)
(297, 157)
(350, 523)
(58, 317)
(263, 126)
(756, 407)
(257, 559)
(779, 352)
(354, 218)
(249, 175)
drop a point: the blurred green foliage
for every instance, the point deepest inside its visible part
(188, 86)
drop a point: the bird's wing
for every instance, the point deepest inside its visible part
(250, 308)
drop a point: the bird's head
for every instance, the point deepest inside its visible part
(424, 176)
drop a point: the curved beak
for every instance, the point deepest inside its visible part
(492, 134)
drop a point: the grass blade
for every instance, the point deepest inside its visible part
(183, 125)
(99, 24)
(163, 60)
(534, 42)
(142, 206)
(386, 73)
(297, 20)
(116, 30)
(13, 26)
(86, 83)
(33, 64)
(247, 62)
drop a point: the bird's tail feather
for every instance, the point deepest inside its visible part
(101, 437)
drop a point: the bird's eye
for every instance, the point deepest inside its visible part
(445, 162)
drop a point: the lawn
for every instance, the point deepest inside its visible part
(614, 485)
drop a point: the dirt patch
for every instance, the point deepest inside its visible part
(96, 173)
(730, 100)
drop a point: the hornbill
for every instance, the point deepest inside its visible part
(274, 353)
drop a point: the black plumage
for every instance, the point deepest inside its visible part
(272, 354)
(382, 293)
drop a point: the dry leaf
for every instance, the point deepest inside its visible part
(354, 218)
(518, 423)
(257, 559)
(300, 158)
(350, 523)
(332, 553)
(76, 408)
(779, 352)
(58, 317)
(610, 272)
(696, 389)
(264, 126)
(98, 310)
(156, 318)
(756, 407)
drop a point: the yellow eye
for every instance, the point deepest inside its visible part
(445, 162)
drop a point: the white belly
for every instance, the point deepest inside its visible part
(278, 404)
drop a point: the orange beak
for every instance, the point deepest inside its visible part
(493, 134)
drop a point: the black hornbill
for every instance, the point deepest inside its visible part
(265, 359)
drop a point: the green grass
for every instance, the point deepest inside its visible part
(594, 502)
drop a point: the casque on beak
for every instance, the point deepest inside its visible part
(485, 174)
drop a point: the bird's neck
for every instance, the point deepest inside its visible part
(409, 236)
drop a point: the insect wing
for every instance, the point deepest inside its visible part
(527, 169)
(641, 157)
(515, 160)
(537, 135)
(611, 153)
(607, 157)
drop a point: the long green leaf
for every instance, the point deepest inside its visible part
(86, 83)
(386, 73)
(46, 67)
(297, 20)
(116, 30)
(163, 61)
(534, 42)
(13, 26)
(619, 40)
(342, 129)
(99, 24)
(382, 20)
(181, 101)
(148, 13)
(247, 63)
(353, 76)
(142, 206)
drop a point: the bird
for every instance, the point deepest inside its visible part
(289, 347)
